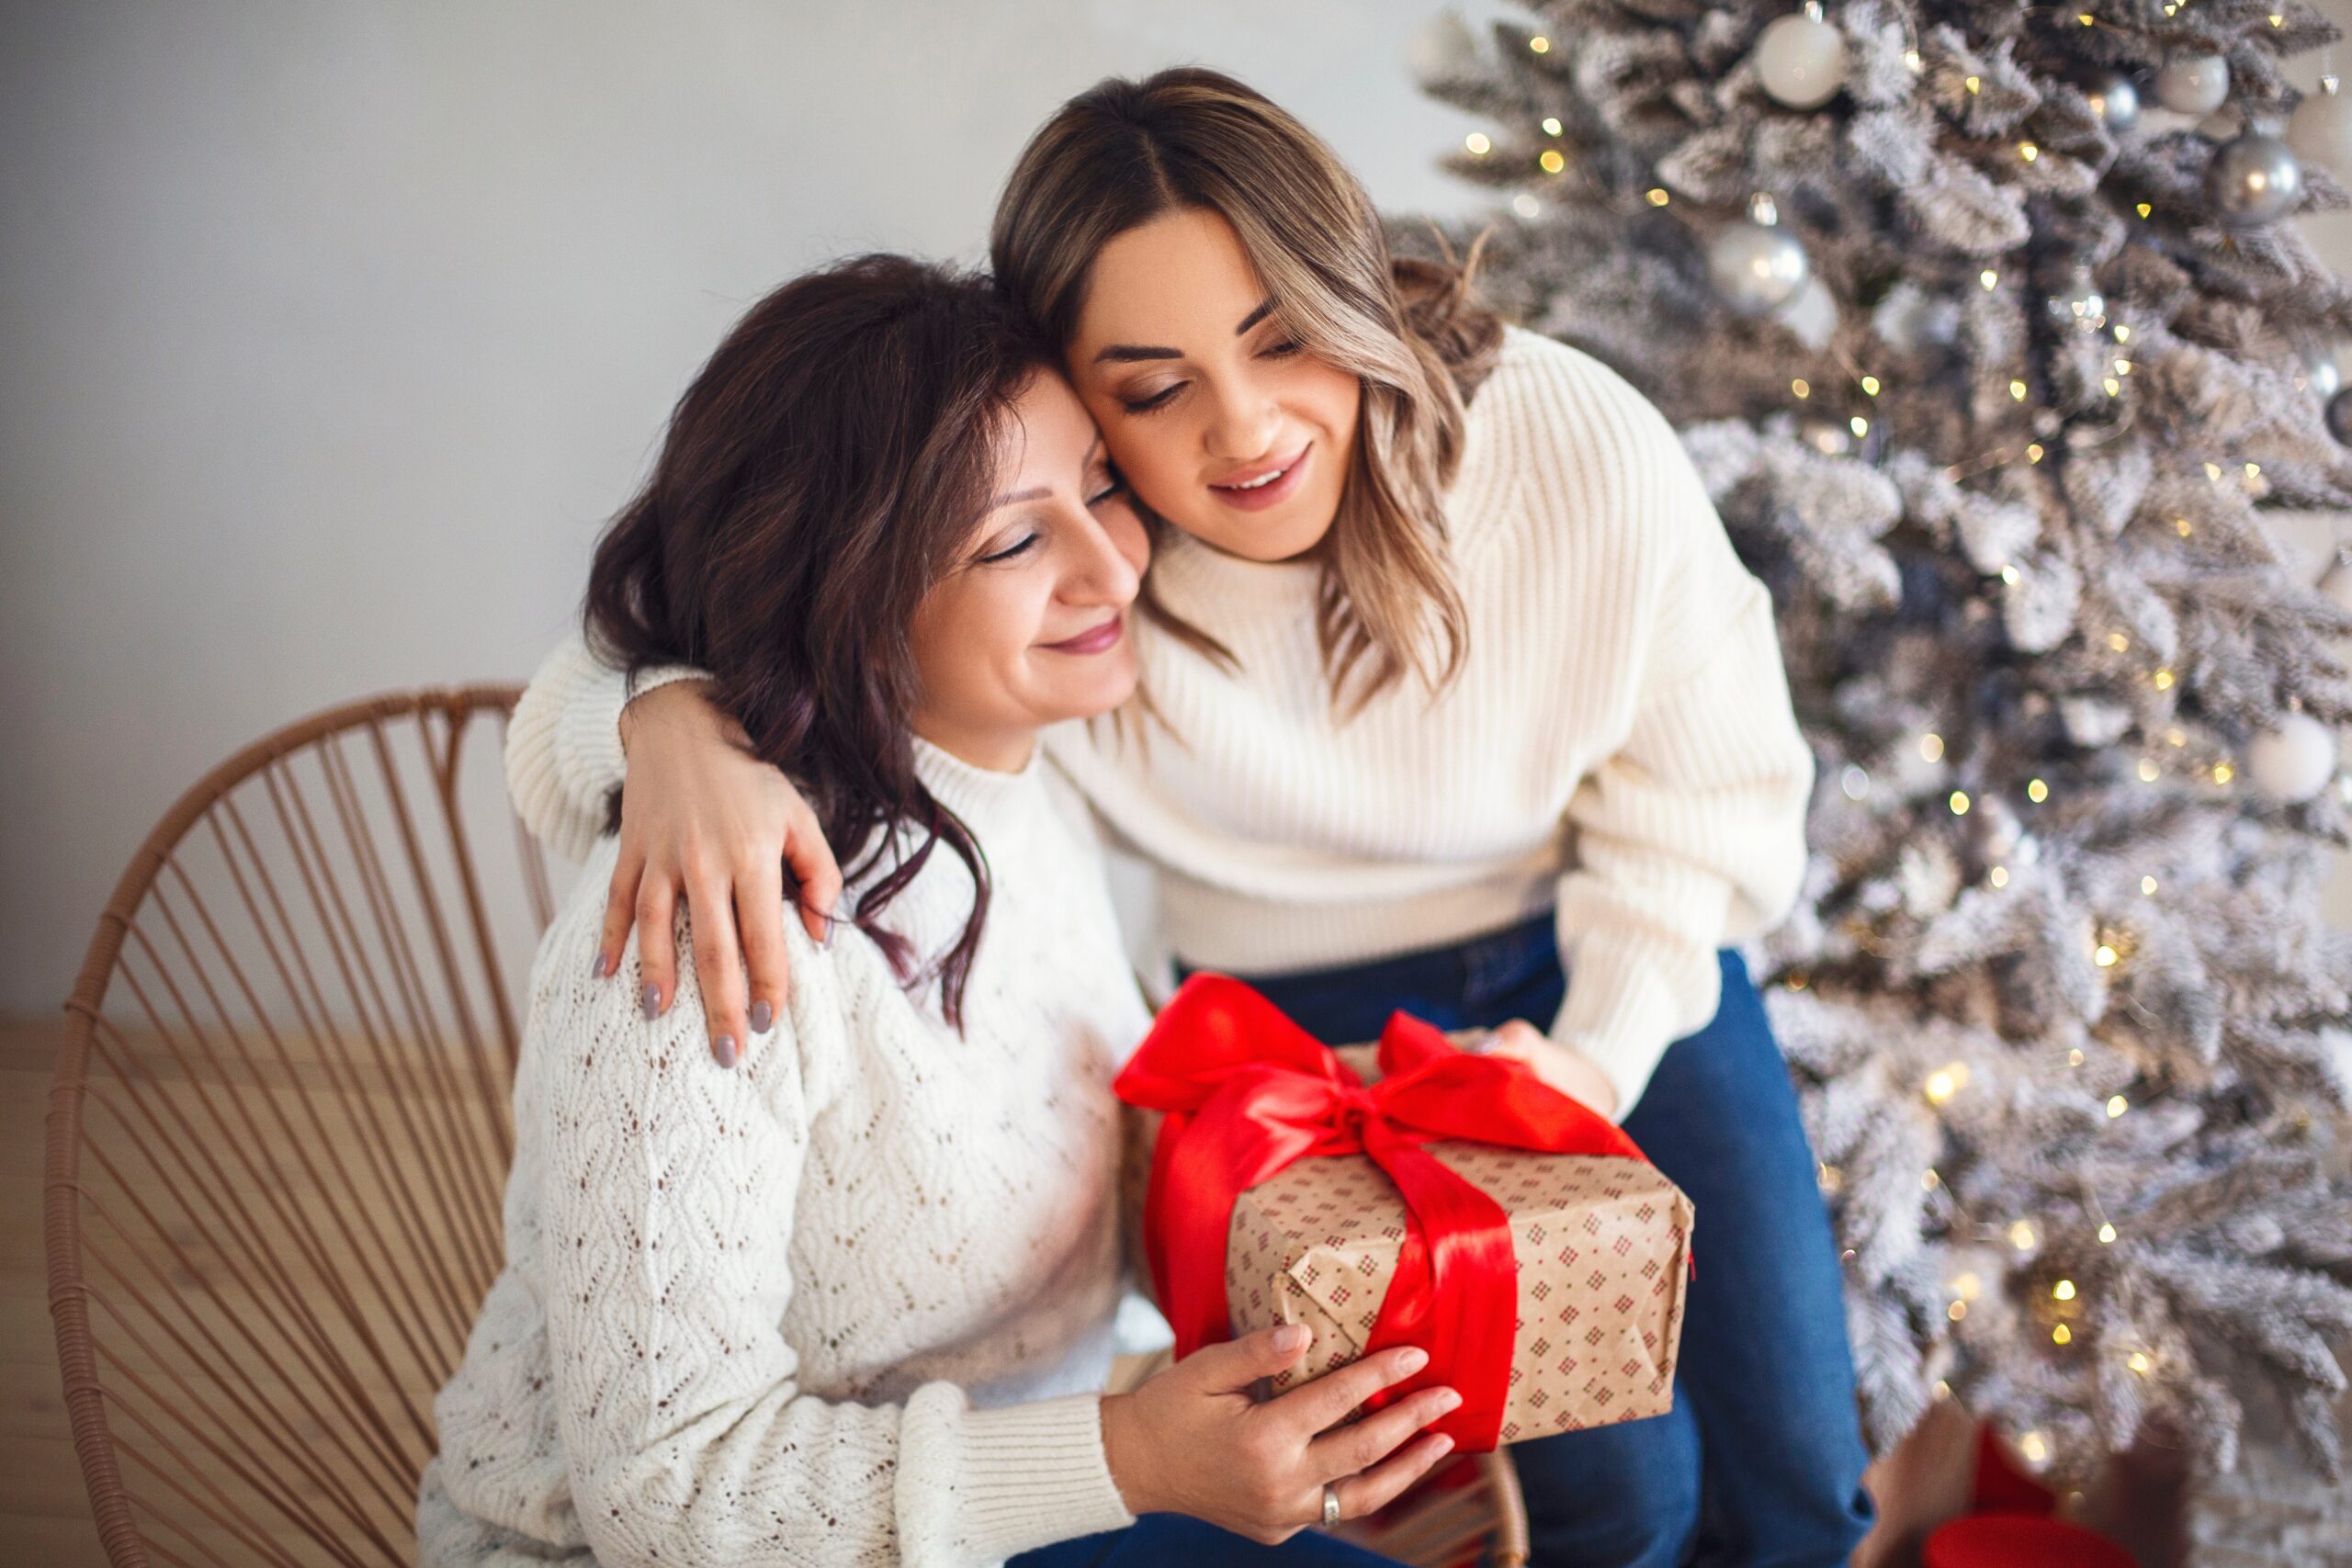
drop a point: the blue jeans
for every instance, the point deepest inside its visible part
(1173, 1540)
(1760, 1459)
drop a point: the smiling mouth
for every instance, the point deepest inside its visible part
(1097, 640)
(1260, 481)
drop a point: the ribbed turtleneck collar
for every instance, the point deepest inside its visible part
(974, 794)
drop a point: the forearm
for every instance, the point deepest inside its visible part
(564, 756)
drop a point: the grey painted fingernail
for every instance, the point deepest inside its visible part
(724, 1049)
(649, 998)
(597, 966)
(761, 1016)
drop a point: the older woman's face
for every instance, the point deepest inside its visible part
(1221, 420)
(1030, 627)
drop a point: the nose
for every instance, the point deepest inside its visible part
(1100, 572)
(1242, 423)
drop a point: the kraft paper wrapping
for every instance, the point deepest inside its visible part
(1603, 1247)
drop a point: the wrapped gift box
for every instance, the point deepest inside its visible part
(1603, 1247)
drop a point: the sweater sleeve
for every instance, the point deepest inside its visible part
(563, 746)
(669, 1210)
(1691, 834)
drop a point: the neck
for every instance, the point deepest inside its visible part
(993, 750)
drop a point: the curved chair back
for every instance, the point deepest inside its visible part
(278, 1135)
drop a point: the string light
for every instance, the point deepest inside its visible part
(1974, 84)
(1957, 1311)
(1859, 426)
(2016, 390)
(2073, 1055)
(2116, 1106)
(1960, 803)
(1988, 278)
(1945, 1082)
(2021, 1237)
(1931, 746)
(2035, 1446)
(1478, 143)
(2034, 451)
(1999, 876)
(1552, 161)
(2224, 772)
(2063, 1290)
(2163, 678)
(1550, 126)
(2118, 641)
(1911, 58)
(2144, 209)
(1929, 1181)
(2105, 1235)
(2148, 769)
(1538, 44)
(2011, 575)
(2037, 791)
(2062, 1335)
(1525, 205)
(1657, 195)
(1800, 387)
(2148, 886)
(2104, 956)
(1870, 385)
(2028, 152)
(2138, 1362)
(2181, 526)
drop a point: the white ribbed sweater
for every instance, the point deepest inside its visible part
(1619, 745)
(850, 1302)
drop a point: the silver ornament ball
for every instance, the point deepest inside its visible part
(2193, 83)
(2116, 99)
(1800, 61)
(2321, 370)
(2254, 179)
(1755, 267)
(2339, 416)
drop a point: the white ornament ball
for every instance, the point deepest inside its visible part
(1755, 267)
(2193, 83)
(2115, 98)
(2295, 762)
(2320, 132)
(1801, 60)
(1444, 46)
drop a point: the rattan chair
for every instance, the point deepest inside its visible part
(278, 1135)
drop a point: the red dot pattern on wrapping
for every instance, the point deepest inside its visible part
(1316, 1245)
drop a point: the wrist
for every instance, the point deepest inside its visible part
(1122, 1444)
(676, 699)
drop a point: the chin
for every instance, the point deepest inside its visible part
(1268, 539)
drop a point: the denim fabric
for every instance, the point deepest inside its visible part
(1760, 1460)
(1173, 1540)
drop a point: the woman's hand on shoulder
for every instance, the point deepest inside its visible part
(705, 821)
(1193, 1441)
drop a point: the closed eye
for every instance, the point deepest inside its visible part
(1018, 547)
(1145, 405)
(1282, 350)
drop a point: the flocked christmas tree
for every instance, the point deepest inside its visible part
(1988, 330)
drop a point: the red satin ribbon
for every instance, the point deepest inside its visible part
(1246, 1092)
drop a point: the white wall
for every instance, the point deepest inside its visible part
(333, 332)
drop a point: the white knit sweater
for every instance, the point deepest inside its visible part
(1619, 745)
(850, 1302)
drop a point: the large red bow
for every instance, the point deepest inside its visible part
(1246, 1092)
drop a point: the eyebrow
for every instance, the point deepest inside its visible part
(1039, 492)
(1130, 352)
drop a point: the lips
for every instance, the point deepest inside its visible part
(1098, 639)
(1266, 485)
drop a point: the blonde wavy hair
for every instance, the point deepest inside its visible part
(1124, 153)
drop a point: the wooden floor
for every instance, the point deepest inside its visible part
(44, 1518)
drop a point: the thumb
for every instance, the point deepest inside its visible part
(1232, 1367)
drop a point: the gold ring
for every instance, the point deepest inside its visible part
(1331, 1505)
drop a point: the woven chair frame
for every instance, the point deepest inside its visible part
(277, 1143)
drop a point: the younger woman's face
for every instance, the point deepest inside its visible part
(1218, 419)
(1030, 627)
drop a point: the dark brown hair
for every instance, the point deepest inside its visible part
(820, 474)
(1122, 154)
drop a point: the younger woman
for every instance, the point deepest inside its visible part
(1456, 699)
(850, 1301)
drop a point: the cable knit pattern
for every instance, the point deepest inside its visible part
(848, 1303)
(1621, 745)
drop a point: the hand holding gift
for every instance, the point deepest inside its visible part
(1458, 1203)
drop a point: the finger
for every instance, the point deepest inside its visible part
(1384, 1483)
(620, 913)
(1231, 1368)
(1360, 1445)
(718, 966)
(758, 913)
(818, 877)
(1320, 1404)
(656, 945)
